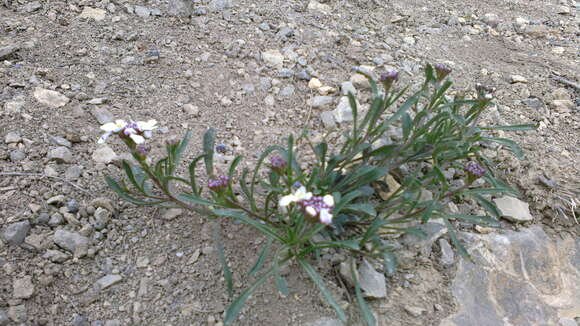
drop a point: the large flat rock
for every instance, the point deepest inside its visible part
(518, 279)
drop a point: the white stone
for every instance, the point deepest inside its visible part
(104, 154)
(317, 6)
(50, 98)
(191, 109)
(108, 281)
(372, 282)
(93, 13)
(273, 58)
(518, 79)
(23, 287)
(514, 209)
(314, 83)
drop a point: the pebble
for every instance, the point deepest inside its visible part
(285, 73)
(104, 154)
(12, 138)
(343, 111)
(72, 242)
(287, 91)
(107, 281)
(102, 218)
(320, 102)
(314, 83)
(102, 114)
(15, 233)
(447, 254)
(56, 256)
(347, 87)
(303, 75)
(72, 173)
(372, 282)
(172, 213)
(273, 58)
(60, 141)
(52, 99)
(518, 79)
(18, 313)
(23, 288)
(320, 7)
(4, 320)
(514, 209)
(327, 118)
(79, 320)
(142, 12)
(414, 311)
(93, 13)
(7, 51)
(191, 109)
(180, 8)
(57, 200)
(17, 155)
(61, 155)
(220, 5)
(56, 219)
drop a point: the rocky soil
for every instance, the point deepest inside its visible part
(72, 253)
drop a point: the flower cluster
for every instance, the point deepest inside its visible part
(388, 78)
(442, 71)
(218, 184)
(314, 206)
(136, 131)
(474, 169)
(278, 163)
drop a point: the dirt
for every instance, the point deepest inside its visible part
(149, 68)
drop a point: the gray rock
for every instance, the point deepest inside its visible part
(79, 320)
(273, 58)
(285, 73)
(327, 118)
(7, 51)
(61, 155)
(12, 138)
(72, 242)
(98, 101)
(72, 173)
(219, 5)
(142, 12)
(113, 322)
(514, 209)
(107, 281)
(56, 256)
(102, 114)
(56, 200)
(567, 322)
(517, 278)
(347, 87)
(15, 233)
(52, 99)
(321, 102)
(433, 231)
(303, 75)
(447, 254)
(172, 213)
(343, 112)
(180, 8)
(102, 218)
(17, 155)
(372, 282)
(200, 12)
(104, 154)
(287, 91)
(191, 109)
(4, 320)
(18, 313)
(56, 219)
(23, 288)
(325, 321)
(43, 218)
(265, 83)
(491, 19)
(60, 141)
(72, 206)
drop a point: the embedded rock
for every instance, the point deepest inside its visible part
(514, 209)
(50, 98)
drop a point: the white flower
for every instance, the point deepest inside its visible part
(137, 131)
(138, 139)
(311, 211)
(325, 216)
(111, 128)
(298, 195)
(147, 126)
(328, 200)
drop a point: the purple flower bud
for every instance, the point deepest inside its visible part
(278, 163)
(474, 169)
(388, 78)
(297, 185)
(143, 150)
(219, 184)
(221, 148)
(172, 141)
(442, 71)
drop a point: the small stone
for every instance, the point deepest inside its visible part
(72, 242)
(7, 51)
(172, 214)
(98, 101)
(327, 118)
(104, 154)
(273, 58)
(564, 10)
(269, 100)
(50, 98)
(491, 19)
(347, 87)
(360, 81)
(93, 13)
(414, 311)
(562, 105)
(409, 40)
(107, 281)
(15, 233)
(191, 109)
(142, 262)
(180, 8)
(18, 313)
(447, 254)
(372, 282)
(102, 114)
(321, 102)
(314, 83)
(518, 79)
(56, 200)
(567, 322)
(514, 209)
(102, 218)
(326, 90)
(12, 138)
(72, 173)
(303, 75)
(285, 73)
(56, 256)
(343, 111)
(113, 322)
(23, 288)
(320, 7)
(56, 219)
(287, 91)
(220, 5)
(60, 141)
(265, 83)
(61, 155)
(17, 155)
(4, 320)
(79, 320)
(142, 12)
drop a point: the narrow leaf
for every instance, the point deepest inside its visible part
(320, 284)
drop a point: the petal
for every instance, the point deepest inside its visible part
(310, 211)
(328, 200)
(137, 139)
(147, 134)
(149, 125)
(104, 137)
(109, 127)
(325, 217)
(129, 131)
(286, 200)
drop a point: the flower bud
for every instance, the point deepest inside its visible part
(278, 163)
(474, 169)
(142, 150)
(219, 184)
(221, 148)
(388, 79)
(442, 71)
(484, 93)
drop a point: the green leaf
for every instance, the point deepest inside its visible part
(222, 257)
(192, 178)
(208, 148)
(480, 220)
(256, 171)
(364, 307)
(131, 176)
(345, 200)
(234, 308)
(453, 236)
(123, 194)
(282, 285)
(389, 262)
(512, 145)
(523, 127)
(407, 126)
(320, 284)
(257, 224)
(402, 110)
(488, 205)
(364, 209)
(196, 200)
(262, 258)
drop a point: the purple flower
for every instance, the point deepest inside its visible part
(221, 148)
(319, 207)
(143, 150)
(219, 184)
(474, 169)
(278, 163)
(297, 185)
(442, 71)
(388, 78)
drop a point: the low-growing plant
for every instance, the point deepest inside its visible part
(357, 191)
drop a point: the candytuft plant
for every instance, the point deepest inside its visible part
(386, 174)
